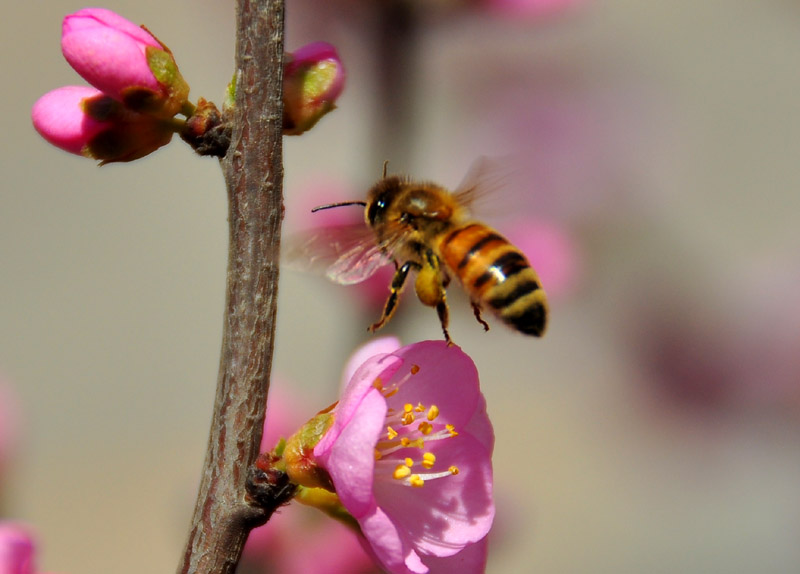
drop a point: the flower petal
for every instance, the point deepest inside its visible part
(109, 51)
(59, 118)
(446, 513)
(471, 560)
(16, 549)
(379, 346)
(450, 378)
(350, 460)
(387, 545)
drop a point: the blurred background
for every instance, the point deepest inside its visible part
(656, 428)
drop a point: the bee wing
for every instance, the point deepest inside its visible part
(345, 254)
(485, 178)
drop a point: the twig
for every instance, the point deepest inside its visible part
(254, 176)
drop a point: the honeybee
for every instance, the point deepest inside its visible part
(424, 228)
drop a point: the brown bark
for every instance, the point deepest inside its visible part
(253, 172)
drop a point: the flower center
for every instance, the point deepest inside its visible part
(403, 454)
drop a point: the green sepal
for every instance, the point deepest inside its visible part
(299, 456)
(165, 70)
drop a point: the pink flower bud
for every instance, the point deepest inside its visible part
(313, 77)
(124, 61)
(84, 121)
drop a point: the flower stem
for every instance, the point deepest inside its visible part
(253, 170)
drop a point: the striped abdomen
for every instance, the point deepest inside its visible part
(496, 275)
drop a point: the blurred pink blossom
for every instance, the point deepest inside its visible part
(738, 348)
(17, 549)
(530, 8)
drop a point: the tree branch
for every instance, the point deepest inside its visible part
(253, 172)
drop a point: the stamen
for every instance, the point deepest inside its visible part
(407, 442)
(411, 436)
(377, 383)
(414, 369)
(433, 412)
(401, 472)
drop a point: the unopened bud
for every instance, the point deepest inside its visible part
(313, 78)
(124, 61)
(85, 121)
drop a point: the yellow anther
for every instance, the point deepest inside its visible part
(453, 470)
(378, 454)
(416, 481)
(409, 462)
(401, 472)
(405, 441)
(433, 412)
(452, 430)
(414, 369)
(391, 433)
(428, 459)
(420, 408)
(408, 407)
(377, 383)
(408, 418)
(391, 393)
(425, 427)
(418, 443)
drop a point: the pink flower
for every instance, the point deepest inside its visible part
(16, 549)
(534, 8)
(313, 78)
(84, 121)
(124, 61)
(409, 454)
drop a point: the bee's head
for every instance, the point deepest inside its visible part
(381, 197)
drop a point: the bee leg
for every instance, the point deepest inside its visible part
(395, 288)
(476, 308)
(444, 319)
(430, 289)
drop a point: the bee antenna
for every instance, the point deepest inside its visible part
(385, 166)
(340, 204)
